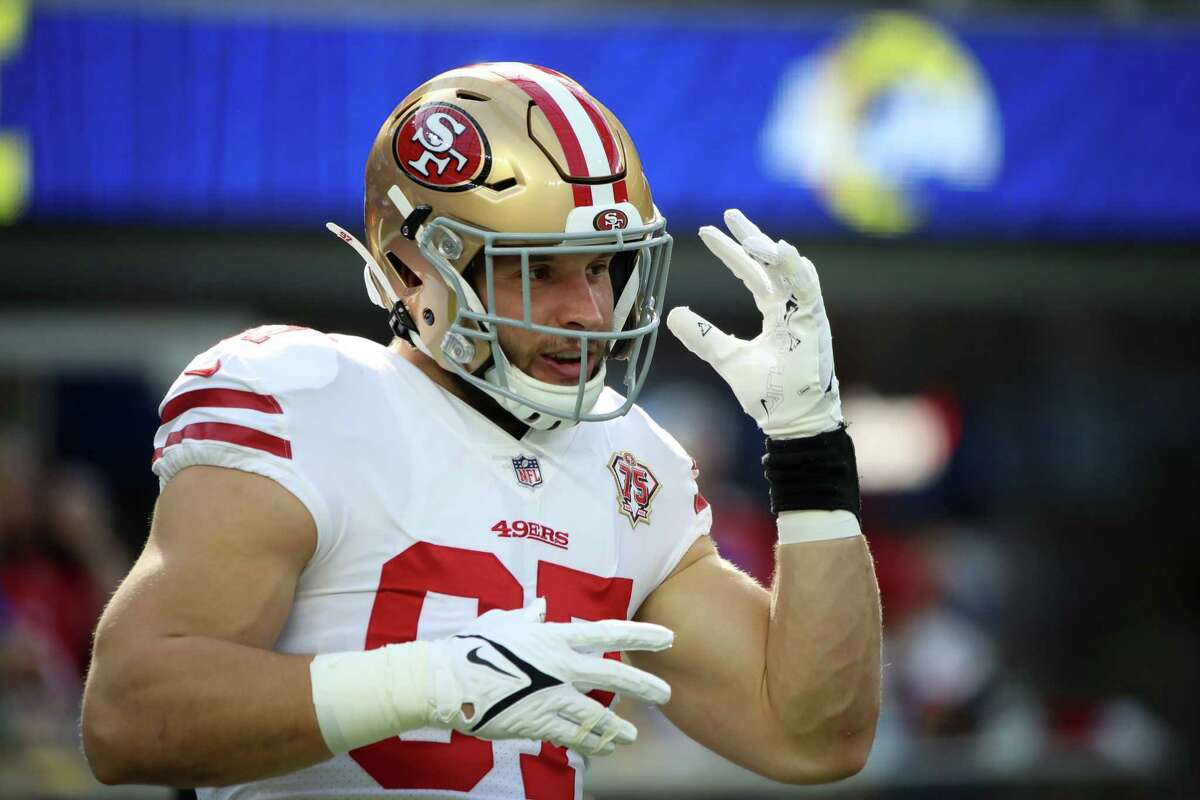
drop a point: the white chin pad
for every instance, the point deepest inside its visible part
(560, 398)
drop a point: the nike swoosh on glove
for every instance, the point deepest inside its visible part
(784, 377)
(527, 679)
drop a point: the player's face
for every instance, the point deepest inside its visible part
(565, 291)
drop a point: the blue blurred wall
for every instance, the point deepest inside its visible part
(887, 123)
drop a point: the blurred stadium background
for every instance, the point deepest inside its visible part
(1003, 199)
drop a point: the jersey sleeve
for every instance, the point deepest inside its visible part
(691, 514)
(245, 404)
(678, 514)
(699, 523)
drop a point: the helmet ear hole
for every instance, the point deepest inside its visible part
(404, 272)
(502, 184)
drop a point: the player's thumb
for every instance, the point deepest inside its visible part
(699, 335)
(535, 611)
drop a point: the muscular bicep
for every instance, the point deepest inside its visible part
(716, 667)
(224, 553)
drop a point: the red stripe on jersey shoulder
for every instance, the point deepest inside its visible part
(205, 372)
(219, 398)
(225, 432)
(699, 503)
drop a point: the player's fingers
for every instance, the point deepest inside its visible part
(798, 273)
(700, 336)
(740, 226)
(569, 734)
(535, 611)
(762, 250)
(757, 244)
(615, 676)
(593, 717)
(739, 262)
(614, 634)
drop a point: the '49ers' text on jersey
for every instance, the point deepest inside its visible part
(427, 515)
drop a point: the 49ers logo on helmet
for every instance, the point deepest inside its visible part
(441, 146)
(610, 219)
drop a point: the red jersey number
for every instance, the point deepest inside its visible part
(571, 594)
(460, 764)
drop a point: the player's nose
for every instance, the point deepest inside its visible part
(582, 303)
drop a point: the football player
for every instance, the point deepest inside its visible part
(415, 569)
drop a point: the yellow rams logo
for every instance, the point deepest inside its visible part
(893, 104)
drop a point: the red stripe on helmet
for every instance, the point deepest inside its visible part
(607, 139)
(565, 133)
(232, 434)
(551, 71)
(620, 192)
(582, 193)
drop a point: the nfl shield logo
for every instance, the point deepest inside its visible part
(529, 473)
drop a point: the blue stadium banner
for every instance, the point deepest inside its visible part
(886, 123)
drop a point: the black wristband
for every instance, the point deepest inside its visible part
(814, 473)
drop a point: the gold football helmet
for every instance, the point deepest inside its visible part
(510, 159)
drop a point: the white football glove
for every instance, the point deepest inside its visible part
(783, 377)
(526, 678)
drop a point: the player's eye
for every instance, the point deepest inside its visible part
(538, 272)
(598, 269)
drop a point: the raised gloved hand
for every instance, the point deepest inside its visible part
(526, 679)
(783, 377)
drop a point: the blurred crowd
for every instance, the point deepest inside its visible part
(59, 560)
(964, 650)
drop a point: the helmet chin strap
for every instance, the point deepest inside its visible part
(553, 395)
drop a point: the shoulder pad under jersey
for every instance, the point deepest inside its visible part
(637, 426)
(235, 406)
(271, 359)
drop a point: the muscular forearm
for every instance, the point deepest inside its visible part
(823, 647)
(195, 711)
(819, 697)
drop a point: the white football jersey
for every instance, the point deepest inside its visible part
(427, 515)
